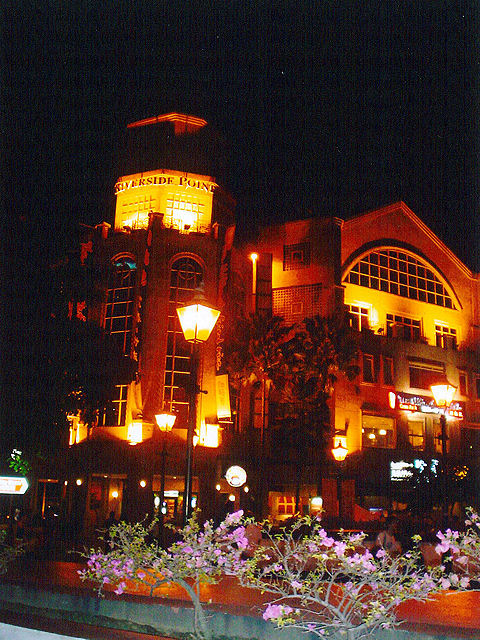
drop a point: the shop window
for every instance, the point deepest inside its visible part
(357, 317)
(401, 274)
(445, 337)
(402, 327)
(369, 373)
(388, 370)
(378, 432)
(286, 506)
(296, 256)
(416, 434)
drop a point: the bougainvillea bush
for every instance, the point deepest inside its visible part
(461, 551)
(336, 588)
(202, 555)
(333, 588)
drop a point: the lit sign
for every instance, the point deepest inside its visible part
(170, 493)
(400, 471)
(13, 486)
(162, 180)
(236, 476)
(427, 405)
(223, 397)
(407, 406)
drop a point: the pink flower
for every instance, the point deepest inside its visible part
(121, 586)
(276, 611)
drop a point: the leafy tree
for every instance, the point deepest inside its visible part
(321, 350)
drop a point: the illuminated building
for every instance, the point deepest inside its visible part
(172, 233)
(416, 306)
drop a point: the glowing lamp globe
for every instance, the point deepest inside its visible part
(197, 321)
(165, 420)
(339, 452)
(443, 394)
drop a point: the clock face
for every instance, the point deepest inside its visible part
(236, 476)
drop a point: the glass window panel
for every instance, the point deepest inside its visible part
(416, 434)
(378, 432)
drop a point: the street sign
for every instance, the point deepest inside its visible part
(13, 486)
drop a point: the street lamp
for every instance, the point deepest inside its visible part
(197, 320)
(340, 452)
(443, 395)
(165, 422)
(254, 258)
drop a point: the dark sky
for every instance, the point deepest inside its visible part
(331, 107)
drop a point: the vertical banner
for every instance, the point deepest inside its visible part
(223, 278)
(137, 332)
(223, 397)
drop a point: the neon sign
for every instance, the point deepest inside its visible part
(427, 405)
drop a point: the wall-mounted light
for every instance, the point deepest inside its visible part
(114, 494)
(143, 484)
(231, 497)
(79, 481)
(135, 433)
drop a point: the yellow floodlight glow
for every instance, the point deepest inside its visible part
(135, 433)
(209, 435)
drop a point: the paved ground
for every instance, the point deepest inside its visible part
(450, 612)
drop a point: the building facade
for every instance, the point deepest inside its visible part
(416, 308)
(414, 304)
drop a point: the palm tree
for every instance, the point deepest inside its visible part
(253, 360)
(320, 350)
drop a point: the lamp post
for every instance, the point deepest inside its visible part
(340, 452)
(443, 395)
(165, 422)
(197, 320)
(254, 258)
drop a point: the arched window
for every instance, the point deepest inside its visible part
(120, 298)
(185, 276)
(400, 273)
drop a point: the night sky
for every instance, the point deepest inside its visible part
(330, 107)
